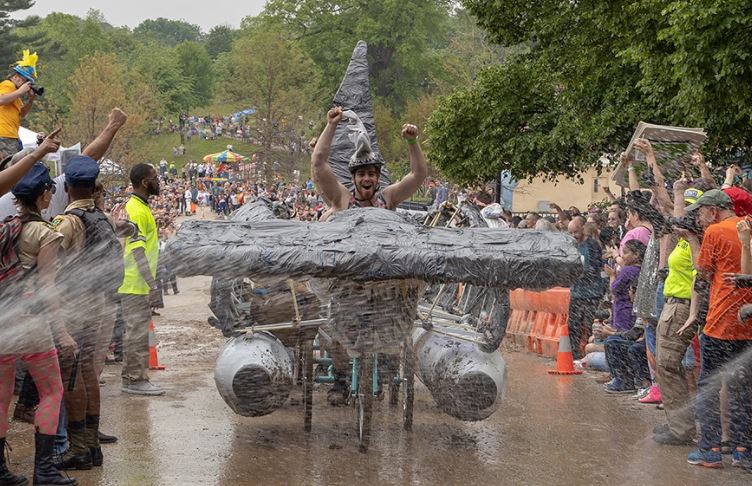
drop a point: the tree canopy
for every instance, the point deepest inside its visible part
(580, 76)
(169, 32)
(401, 37)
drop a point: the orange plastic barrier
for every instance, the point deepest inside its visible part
(535, 319)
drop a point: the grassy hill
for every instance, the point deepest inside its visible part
(155, 147)
(158, 146)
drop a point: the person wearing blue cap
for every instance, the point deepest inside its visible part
(88, 283)
(32, 331)
(17, 86)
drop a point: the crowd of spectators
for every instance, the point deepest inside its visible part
(661, 305)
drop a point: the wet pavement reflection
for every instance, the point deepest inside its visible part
(550, 430)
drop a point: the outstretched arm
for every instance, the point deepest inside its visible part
(661, 194)
(698, 160)
(323, 176)
(10, 176)
(99, 146)
(634, 183)
(398, 192)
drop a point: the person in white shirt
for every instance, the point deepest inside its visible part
(187, 197)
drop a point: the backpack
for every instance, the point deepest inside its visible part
(11, 271)
(98, 267)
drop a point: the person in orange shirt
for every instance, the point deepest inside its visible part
(726, 342)
(18, 84)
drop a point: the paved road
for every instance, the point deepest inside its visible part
(550, 430)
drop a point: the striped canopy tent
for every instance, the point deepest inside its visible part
(226, 156)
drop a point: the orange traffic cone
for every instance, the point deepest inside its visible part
(153, 358)
(564, 359)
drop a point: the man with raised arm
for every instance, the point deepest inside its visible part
(365, 168)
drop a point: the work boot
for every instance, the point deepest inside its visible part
(78, 456)
(45, 472)
(92, 440)
(339, 393)
(7, 478)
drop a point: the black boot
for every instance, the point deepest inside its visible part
(92, 440)
(7, 478)
(78, 456)
(45, 472)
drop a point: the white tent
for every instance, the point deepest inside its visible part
(28, 138)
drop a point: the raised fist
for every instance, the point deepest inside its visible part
(409, 132)
(334, 115)
(681, 185)
(117, 117)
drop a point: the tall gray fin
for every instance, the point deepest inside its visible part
(354, 94)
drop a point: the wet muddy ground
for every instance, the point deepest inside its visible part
(550, 430)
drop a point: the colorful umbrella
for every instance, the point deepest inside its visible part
(226, 156)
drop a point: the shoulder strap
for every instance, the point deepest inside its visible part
(76, 212)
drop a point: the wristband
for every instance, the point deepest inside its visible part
(412, 141)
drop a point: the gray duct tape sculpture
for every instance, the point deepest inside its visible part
(368, 268)
(369, 244)
(354, 94)
(375, 263)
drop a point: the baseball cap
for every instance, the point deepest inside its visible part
(712, 198)
(34, 182)
(741, 200)
(81, 169)
(691, 195)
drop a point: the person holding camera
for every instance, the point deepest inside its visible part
(21, 82)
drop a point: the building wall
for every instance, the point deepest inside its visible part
(536, 195)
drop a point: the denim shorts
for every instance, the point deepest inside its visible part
(650, 338)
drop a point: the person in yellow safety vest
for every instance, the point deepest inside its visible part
(140, 290)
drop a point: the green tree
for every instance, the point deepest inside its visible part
(219, 40)
(598, 69)
(401, 37)
(272, 73)
(168, 32)
(196, 67)
(160, 67)
(99, 83)
(13, 42)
